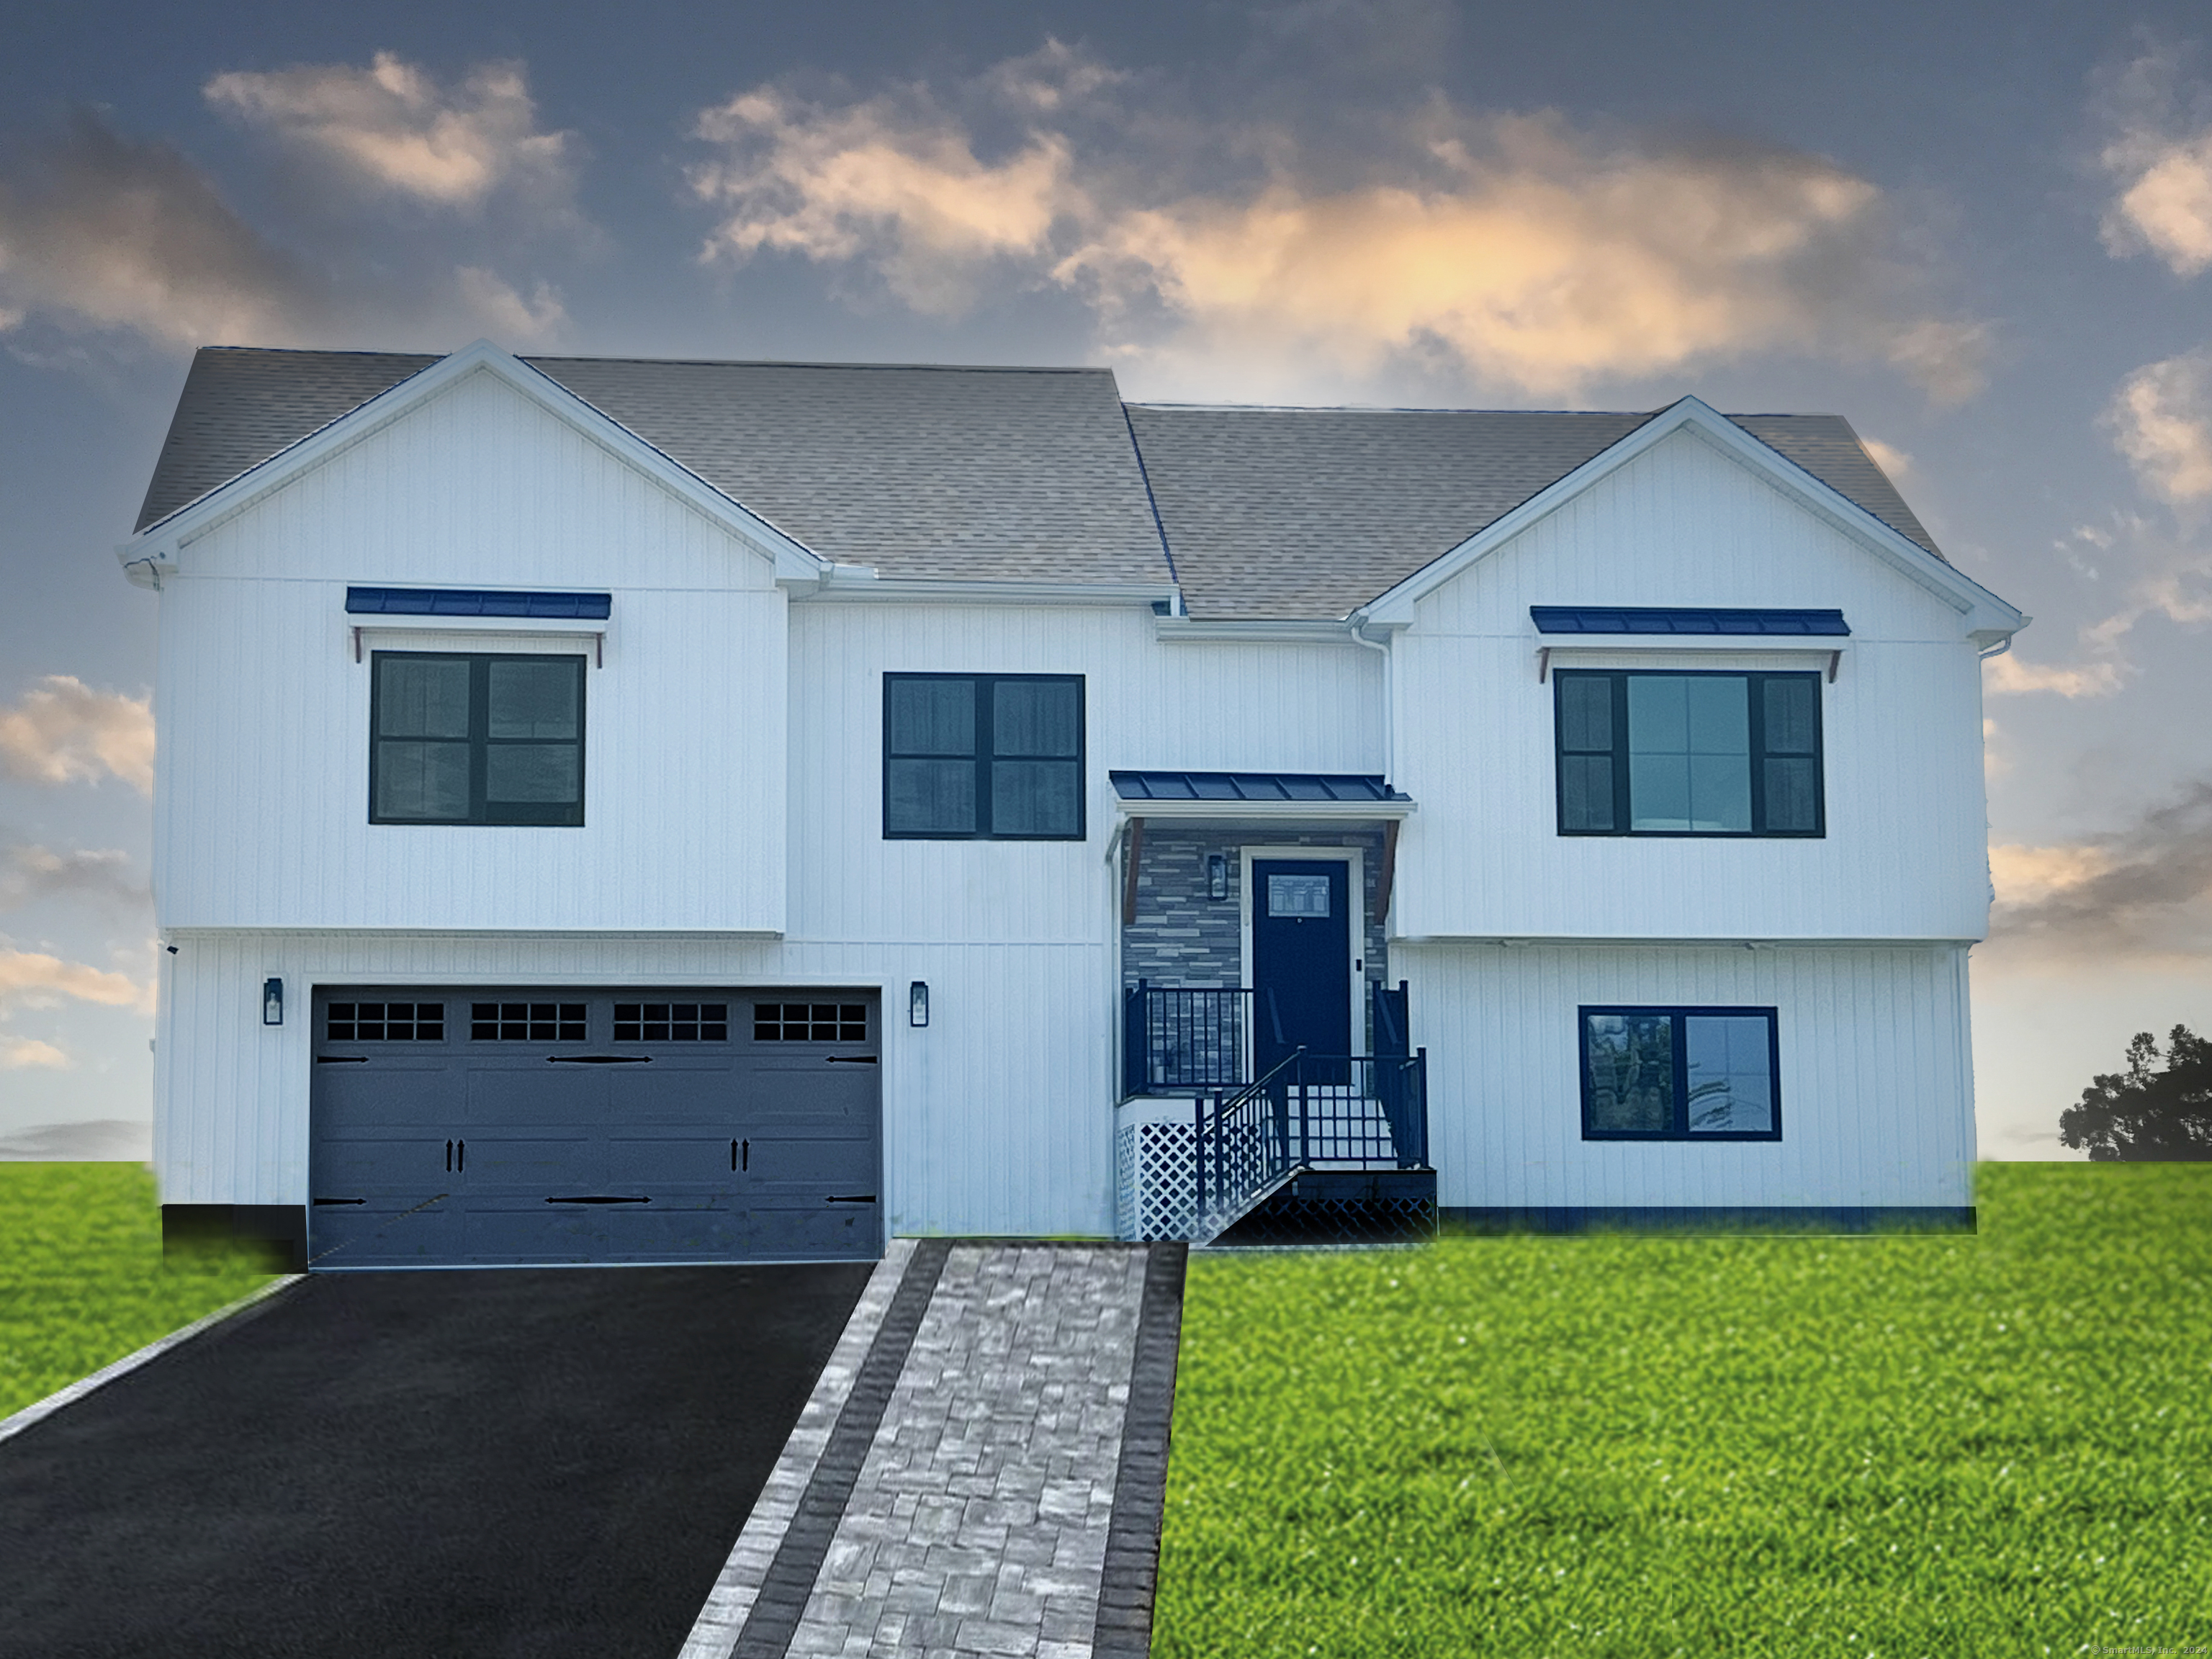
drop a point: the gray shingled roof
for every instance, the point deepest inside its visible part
(1022, 473)
(1310, 513)
(984, 474)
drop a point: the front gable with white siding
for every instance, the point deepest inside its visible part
(801, 965)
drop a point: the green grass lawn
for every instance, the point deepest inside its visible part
(1979, 1445)
(82, 1278)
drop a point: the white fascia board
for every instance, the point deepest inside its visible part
(161, 540)
(1266, 811)
(1263, 630)
(864, 582)
(1981, 610)
(1694, 941)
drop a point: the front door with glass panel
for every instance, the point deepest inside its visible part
(1301, 961)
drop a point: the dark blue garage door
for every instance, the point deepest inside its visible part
(477, 1126)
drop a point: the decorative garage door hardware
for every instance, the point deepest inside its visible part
(855, 1198)
(850, 1060)
(599, 1059)
(341, 1200)
(599, 1200)
(341, 1060)
(464, 1154)
(741, 1155)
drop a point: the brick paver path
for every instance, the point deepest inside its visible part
(978, 1521)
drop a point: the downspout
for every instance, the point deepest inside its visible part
(1354, 626)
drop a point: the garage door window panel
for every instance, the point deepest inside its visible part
(470, 740)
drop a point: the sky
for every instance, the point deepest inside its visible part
(1982, 232)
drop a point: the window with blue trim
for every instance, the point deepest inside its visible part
(995, 756)
(1688, 754)
(1681, 1074)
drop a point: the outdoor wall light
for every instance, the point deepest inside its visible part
(272, 1002)
(1216, 875)
(917, 1003)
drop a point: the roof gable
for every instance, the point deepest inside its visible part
(1985, 613)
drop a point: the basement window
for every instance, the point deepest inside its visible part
(464, 739)
(1681, 1074)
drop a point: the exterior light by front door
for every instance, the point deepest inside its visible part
(1216, 875)
(917, 1003)
(272, 1002)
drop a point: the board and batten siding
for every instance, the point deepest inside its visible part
(997, 1117)
(1876, 1082)
(1905, 855)
(1276, 707)
(262, 795)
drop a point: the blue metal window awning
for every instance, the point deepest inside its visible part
(475, 602)
(1652, 619)
(1257, 787)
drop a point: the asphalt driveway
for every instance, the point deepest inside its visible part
(483, 1462)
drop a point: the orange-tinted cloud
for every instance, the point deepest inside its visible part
(62, 731)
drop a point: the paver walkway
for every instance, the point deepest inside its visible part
(980, 1470)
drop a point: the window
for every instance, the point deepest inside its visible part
(526, 1022)
(476, 739)
(1680, 1074)
(386, 1022)
(996, 755)
(810, 1022)
(1647, 754)
(671, 1022)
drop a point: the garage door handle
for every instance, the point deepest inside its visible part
(741, 1150)
(850, 1198)
(599, 1200)
(341, 1200)
(600, 1060)
(341, 1060)
(852, 1059)
(449, 1155)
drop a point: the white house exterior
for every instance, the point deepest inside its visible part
(584, 760)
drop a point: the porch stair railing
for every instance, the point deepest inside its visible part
(1307, 1112)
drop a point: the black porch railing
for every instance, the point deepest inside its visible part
(1180, 1038)
(1347, 1111)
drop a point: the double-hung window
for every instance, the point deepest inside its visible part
(457, 738)
(1695, 754)
(983, 756)
(1681, 1074)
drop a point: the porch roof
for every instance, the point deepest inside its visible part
(1282, 800)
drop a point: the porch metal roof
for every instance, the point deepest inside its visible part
(1253, 787)
(1654, 619)
(473, 602)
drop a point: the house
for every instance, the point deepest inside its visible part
(619, 810)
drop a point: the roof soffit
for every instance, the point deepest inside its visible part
(1980, 610)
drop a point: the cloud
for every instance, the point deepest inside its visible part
(37, 979)
(2159, 160)
(95, 1140)
(903, 190)
(2141, 891)
(37, 872)
(25, 1053)
(1890, 458)
(2160, 419)
(2009, 675)
(108, 232)
(1538, 256)
(504, 315)
(62, 730)
(393, 128)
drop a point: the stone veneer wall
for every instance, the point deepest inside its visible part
(1181, 937)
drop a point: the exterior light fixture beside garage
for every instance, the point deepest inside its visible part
(917, 1003)
(272, 1002)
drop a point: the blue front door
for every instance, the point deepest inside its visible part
(1301, 961)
